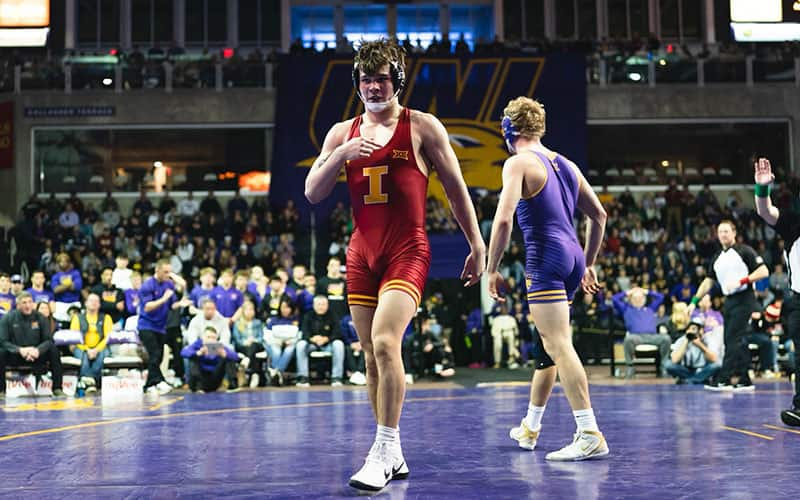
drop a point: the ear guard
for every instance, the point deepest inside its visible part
(397, 73)
(510, 133)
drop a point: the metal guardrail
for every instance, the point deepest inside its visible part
(165, 75)
(654, 71)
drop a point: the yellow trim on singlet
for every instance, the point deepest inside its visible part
(547, 292)
(402, 285)
(546, 175)
(359, 296)
(372, 305)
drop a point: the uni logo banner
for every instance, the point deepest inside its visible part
(468, 95)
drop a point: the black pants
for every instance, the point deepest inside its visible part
(354, 363)
(790, 318)
(736, 313)
(209, 381)
(154, 345)
(175, 342)
(256, 365)
(49, 358)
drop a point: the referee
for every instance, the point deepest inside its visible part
(735, 267)
(786, 224)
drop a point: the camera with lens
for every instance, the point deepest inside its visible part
(691, 336)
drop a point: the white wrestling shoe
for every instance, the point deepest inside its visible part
(383, 464)
(525, 437)
(586, 445)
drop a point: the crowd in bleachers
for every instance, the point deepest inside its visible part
(252, 298)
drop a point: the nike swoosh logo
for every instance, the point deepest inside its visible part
(387, 474)
(395, 470)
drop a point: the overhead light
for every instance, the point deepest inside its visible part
(107, 81)
(158, 164)
(662, 62)
(665, 163)
(635, 77)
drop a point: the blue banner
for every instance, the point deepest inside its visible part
(468, 95)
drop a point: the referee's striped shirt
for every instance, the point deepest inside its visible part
(788, 226)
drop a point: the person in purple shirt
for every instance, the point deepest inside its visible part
(711, 317)
(132, 298)
(640, 322)
(157, 296)
(67, 282)
(227, 298)
(38, 291)
(209, 362)
(7, 300)
(205, 289)
(683, 291)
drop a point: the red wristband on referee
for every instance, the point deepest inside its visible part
(745, 280)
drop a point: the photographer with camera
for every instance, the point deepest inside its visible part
(210, 361)
(696, 355)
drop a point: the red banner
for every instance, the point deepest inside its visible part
(7, 135)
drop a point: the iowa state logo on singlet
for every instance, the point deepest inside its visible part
(471, 114)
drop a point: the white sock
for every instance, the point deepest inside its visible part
(386, 435)
(534, 417)
(585, 420)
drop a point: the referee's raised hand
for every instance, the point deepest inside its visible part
(763, 175)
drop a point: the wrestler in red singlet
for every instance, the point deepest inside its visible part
(389, 248)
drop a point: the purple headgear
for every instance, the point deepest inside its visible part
(510, 133)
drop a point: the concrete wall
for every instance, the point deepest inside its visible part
(258, 106)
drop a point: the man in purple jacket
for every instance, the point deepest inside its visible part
(640, 323)
(209, 362)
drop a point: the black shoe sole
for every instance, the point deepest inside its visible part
(791, 417)
(404, 475)
(366, 487)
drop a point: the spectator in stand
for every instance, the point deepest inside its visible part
(333, 286)
(26, 339)
(67, 285)
(277, 294)
(38, 291)
(44, 309)
(241, 281)
(69, 218)
(210, 361)
(696, 356)
(205, 290)
(17, 284)
(281, 347)
(8, 300)
(779, 280)
(677, 322)
(355, 366)
(132, 294)
(761, 335)
(237, 204)
(157, 297)
(305, 297)
(121, 276)
(227, 298)
(143, 204)
(683, 291)
(210, 205)
(674, 197)
(95, 326)
(248, 339)
(188, 207)
(427, 353)
(258, 285)
(321, 332)
(640, 323)
(208, 315)
(112, 299)
(505, 330)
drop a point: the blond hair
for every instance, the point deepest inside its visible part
(528, 117)
(680, 315)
